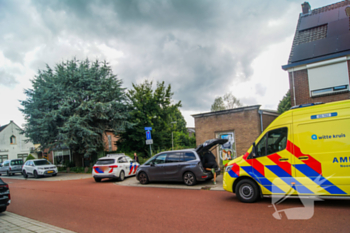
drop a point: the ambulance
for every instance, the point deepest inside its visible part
(303, 152)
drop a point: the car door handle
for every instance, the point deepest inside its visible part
(303, 157)
(283, 159)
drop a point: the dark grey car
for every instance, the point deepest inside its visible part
(177, 165)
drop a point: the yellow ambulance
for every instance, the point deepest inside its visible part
(305, 151)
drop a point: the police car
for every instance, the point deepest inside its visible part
(114, 166)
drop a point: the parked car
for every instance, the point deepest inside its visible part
(5, 198)
(114, 166)
(39, 167)
(178, 165)
(11, 167)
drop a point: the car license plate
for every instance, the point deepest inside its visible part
(49, 171)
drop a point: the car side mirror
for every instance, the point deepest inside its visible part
(152, 164)
(254, 150)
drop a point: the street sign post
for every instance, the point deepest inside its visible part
(149, 140)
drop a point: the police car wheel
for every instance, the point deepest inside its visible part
(189, 179)
(121, 176)
(97, 179)
(143, 178)
(247, 191)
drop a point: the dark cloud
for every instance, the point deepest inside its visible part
(198, 46)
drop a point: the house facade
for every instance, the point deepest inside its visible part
(12, 143)
(241, 126)
(319, 61)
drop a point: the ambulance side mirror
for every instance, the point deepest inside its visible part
(254, 150)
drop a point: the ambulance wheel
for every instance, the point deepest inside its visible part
(121, 176)
(247, 191)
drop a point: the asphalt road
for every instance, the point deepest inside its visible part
(85, 206)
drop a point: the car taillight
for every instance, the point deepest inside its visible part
(203, 177)
(113, 166)
(10, 168)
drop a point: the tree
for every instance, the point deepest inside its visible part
(228, 101)
(151, 108)
(74, 105)
(285, 103)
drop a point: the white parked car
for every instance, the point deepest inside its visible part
(39, 167)
(114, 166)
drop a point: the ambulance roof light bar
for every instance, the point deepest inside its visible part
(306, 105)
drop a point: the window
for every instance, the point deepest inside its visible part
(109, 143)
(12, 140)
(272, 142)
(188, 156)
(17, 162)
(105, 161)
(328, 78)
(41, 162)
(160, 159)
(174, 157)
(3, 158)
(22, 156)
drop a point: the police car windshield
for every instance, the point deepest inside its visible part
(105, 161)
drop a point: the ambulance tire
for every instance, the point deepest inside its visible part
(247, 191)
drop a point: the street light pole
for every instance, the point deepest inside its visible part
(172, 136)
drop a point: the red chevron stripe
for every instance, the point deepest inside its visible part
(235, 169)
(311, 162)
(286, 166)
(255, 164)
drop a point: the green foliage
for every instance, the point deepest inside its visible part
(151, 108)
(73, 105)
(228, 101)
(30, 157)
(183, 141)
(285, 103)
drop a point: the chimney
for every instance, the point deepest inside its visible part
(306, 8)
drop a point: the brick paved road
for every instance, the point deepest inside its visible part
(86, 206)
(10, 222)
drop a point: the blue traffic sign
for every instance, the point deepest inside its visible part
(148, 135)
(148, 128)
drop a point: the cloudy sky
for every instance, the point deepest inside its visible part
(203, 48)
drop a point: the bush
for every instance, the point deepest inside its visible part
(30, 157)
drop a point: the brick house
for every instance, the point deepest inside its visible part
(241, 126)
(319, 61)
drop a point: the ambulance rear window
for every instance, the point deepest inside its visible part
(105, 161)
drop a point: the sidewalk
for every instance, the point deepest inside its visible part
(10, 222)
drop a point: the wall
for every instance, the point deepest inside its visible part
(245, 124)
(302, 93)
(267, 119)
(20, 147)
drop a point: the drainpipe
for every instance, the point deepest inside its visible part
(261, 121)
(295, 103)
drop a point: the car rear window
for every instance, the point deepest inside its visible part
(17, 162)
(105, 161)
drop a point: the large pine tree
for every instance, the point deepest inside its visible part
(74, 105)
